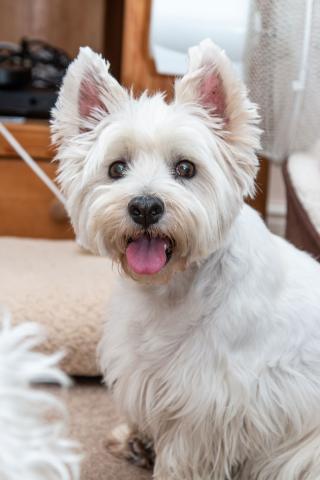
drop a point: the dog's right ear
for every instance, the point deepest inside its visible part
(88, 93)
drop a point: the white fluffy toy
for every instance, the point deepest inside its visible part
(31, 447)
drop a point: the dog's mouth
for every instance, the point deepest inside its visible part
(147, 255)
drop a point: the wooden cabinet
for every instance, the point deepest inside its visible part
(27, 207)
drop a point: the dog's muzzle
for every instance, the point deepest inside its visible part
(148, 250)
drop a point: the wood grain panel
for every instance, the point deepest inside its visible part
(33, 136)
(27, 207)
(114, 36)
(260, 200)
(138, 69)
(67, 24)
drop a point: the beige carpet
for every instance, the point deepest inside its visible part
(92, 416)
(56, 284)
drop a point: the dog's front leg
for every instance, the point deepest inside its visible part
(181, 456)
(164, 471)
(129, 443)
(170, 463)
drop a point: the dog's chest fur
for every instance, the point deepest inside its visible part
(167, 348)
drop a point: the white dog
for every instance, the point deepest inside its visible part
(213, 340)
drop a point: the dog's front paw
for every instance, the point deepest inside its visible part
(131, 445)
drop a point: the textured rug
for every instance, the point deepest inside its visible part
(58, 285)
(92, 416)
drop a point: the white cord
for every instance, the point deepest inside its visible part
(299, 85)
(31, 163)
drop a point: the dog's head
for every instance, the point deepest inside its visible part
(155, 186)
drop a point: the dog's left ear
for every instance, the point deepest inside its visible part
(88, 94)
(212, 84)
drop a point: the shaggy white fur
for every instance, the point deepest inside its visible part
(216, 355)
(31, 447)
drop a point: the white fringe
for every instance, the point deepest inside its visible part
(31, 447)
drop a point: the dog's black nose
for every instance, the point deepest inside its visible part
(146, 210)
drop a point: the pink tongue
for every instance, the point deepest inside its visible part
(146, 256)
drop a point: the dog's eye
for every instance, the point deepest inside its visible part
(185, 169)
(117, 169)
